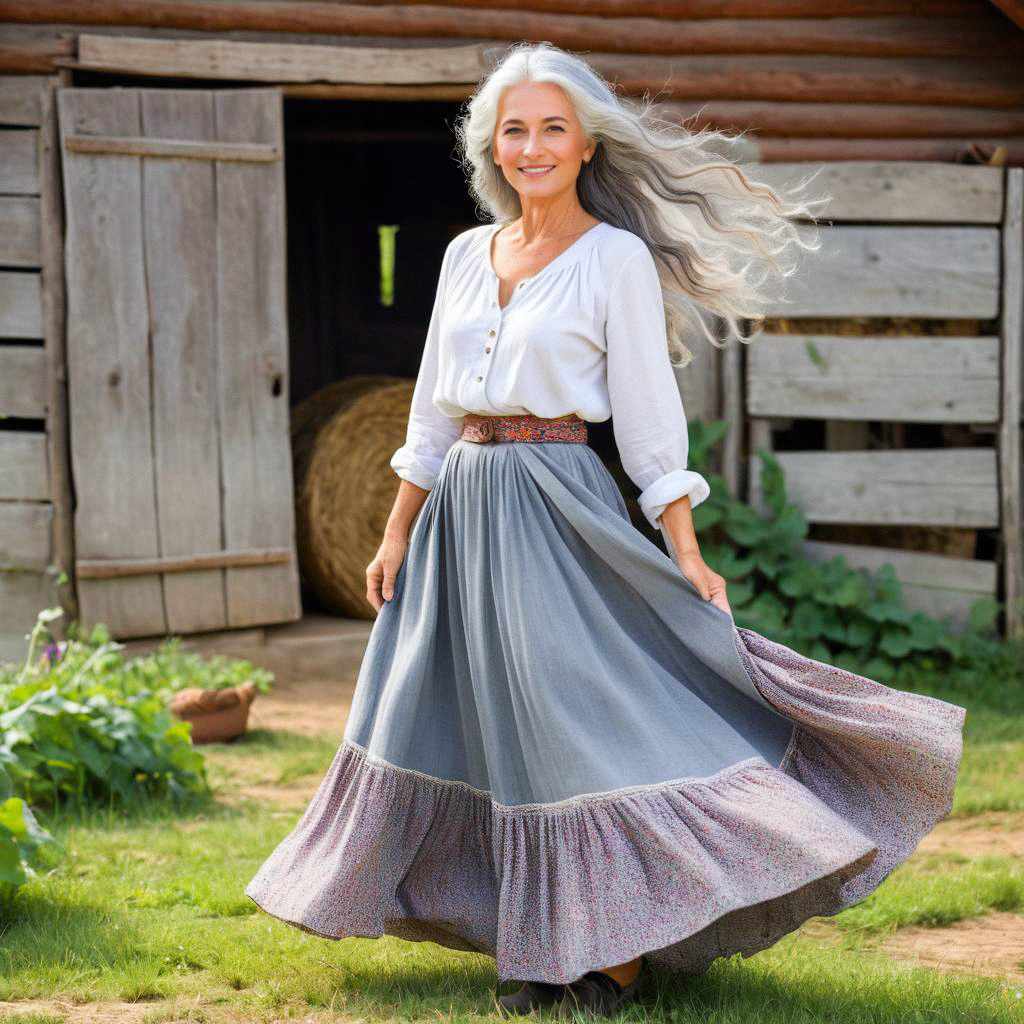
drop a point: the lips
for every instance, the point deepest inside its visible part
(536, 172)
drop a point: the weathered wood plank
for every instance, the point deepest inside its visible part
(21, 310)
(23, 594)
(23, 469)
(732, 412)
(252, 346)
(110, 399)
(19, 231)
(897, 271)
(23, 390)
(172, 148)
(179, 211)
(26, 531)
(921, 380)
(19, 161)
(281, 62)
(1011, 445)
(21, 99)
(939, 585)
(925, 487)
(108, 568)
(924, 193)
(61, 490)
(699, 383)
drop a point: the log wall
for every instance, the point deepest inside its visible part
(933, 80)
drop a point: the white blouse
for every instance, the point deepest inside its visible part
(586, 335)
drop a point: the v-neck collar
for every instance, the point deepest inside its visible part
(495, 228)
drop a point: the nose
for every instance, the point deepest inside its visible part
(533, 145)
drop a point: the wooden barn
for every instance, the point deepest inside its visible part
(212, 210)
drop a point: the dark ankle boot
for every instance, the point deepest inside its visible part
(532, 995)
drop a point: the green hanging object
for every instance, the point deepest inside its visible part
(386, 235)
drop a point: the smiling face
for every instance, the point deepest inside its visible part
(538, 141)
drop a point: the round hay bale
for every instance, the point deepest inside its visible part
(307, 418)
(347, 494)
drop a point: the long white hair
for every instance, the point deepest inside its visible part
(652, 177)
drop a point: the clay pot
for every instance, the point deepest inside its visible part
(216, 715)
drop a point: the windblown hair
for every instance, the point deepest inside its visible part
(653, 177)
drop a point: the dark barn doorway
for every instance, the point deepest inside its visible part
(353, 167)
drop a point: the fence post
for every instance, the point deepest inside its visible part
(1010, 446)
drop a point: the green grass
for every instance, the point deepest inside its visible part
(938, 890)
(991, 778)
(150, 909)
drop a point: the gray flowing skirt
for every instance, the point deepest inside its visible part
(560, 755)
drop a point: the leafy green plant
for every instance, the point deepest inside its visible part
(22, 839)
(80, 738)
(171, 668)
(828, 611)
(81, 723)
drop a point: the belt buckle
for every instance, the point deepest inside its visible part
(479, 431)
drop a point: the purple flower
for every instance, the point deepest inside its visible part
(54, 652)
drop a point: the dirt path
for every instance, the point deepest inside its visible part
(77, 1013)
(312, 707)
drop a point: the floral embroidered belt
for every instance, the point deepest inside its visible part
(523, 428)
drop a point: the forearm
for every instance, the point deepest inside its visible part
(677, 522)
(408, 502)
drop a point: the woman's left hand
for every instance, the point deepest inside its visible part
(708, 582)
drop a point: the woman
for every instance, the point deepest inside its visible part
(562, 751)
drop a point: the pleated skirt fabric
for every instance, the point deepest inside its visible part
(560, 755)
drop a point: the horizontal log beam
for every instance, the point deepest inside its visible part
(951, 82)
(283, 62)
(754, 78)
(1008, 152)
(704, 9)
(401, 93)
(38, 59)
(979, 35)
(850, 120)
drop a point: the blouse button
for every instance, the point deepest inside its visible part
(479, 379)
(491, 334)
(487, 348)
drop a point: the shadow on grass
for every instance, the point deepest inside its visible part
(794, 983)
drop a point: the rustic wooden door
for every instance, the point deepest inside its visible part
(177, 358)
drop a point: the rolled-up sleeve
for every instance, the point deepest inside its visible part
(430, 432)
(648, 420)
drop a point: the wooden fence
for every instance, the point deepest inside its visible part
(904, 240)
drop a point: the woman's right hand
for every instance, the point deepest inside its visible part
(381, 572)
